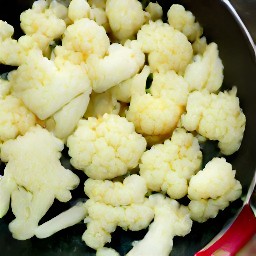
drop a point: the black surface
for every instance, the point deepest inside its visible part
(240, 70)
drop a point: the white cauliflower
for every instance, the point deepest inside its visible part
(212, 189)
(4, 88)
(157, 115)
(44, 23)
(98, 3)
(48, 88)
(78, 9)
(216, 117)
(206, 71)
(32, 179)
(125, 17)
(101, 103)
(85, 36)
(100, 17)
(15, 118)
(155, 11)
(103, 219)
(106, 147)
(134, 85)
(199, 46)
(64, 122)
(166, 47)
(168, 167)
(153, 116)
(169, 84)
(65, 219)
(121, 64)
(132, 190)
(184, 21)
(14, 52)
(107, 252)
(171, 219)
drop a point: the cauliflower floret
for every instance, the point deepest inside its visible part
(34, 172)
(184, 21)
(206, 72)
(64, 220)
(132, 190)
(4, 88)
(60, 55)
(134, 85)
(101, 103)
(155, 11)
(106, 147)
(170, 85)
(168, 167)
(125, 17)
(107, 252)
(78, 9)
(48, 88)
(153, 116)
(103, 220)
(216, 117)
(167, 48)
(171, 219)
(199, 46)
(63, 123)
(100, 17)
(121, 64)
(212, 189)
(98, 3)
(42, 23)
(85, 36)
(15, 118)
(14, 52)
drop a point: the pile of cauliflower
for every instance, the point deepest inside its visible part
(133, 98)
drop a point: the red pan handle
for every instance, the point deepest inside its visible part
(237, 235)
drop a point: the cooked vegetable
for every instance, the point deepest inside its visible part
(212, 189)
(216, 117)
(106, 147)
(32, 183)
(168, 167)
(133, 97)
(170, 220)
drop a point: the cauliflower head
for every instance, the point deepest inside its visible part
(206, 71)
(132, 190)
(87, 37)
(169, 84)
(103, 219)
(153, 116)
(32, 179)
(212, 189)
(44, 23)
(125, 17)
(168, 167)
(170, 219)
(155, 11)
(48, 88)
(106, 147)
(15, 118)
(184, 21)
(216, 117)
(64, 122)
(78, 9)
(14, 52)
(121, 63)
(167, 48)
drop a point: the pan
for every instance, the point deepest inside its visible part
(222, 25)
